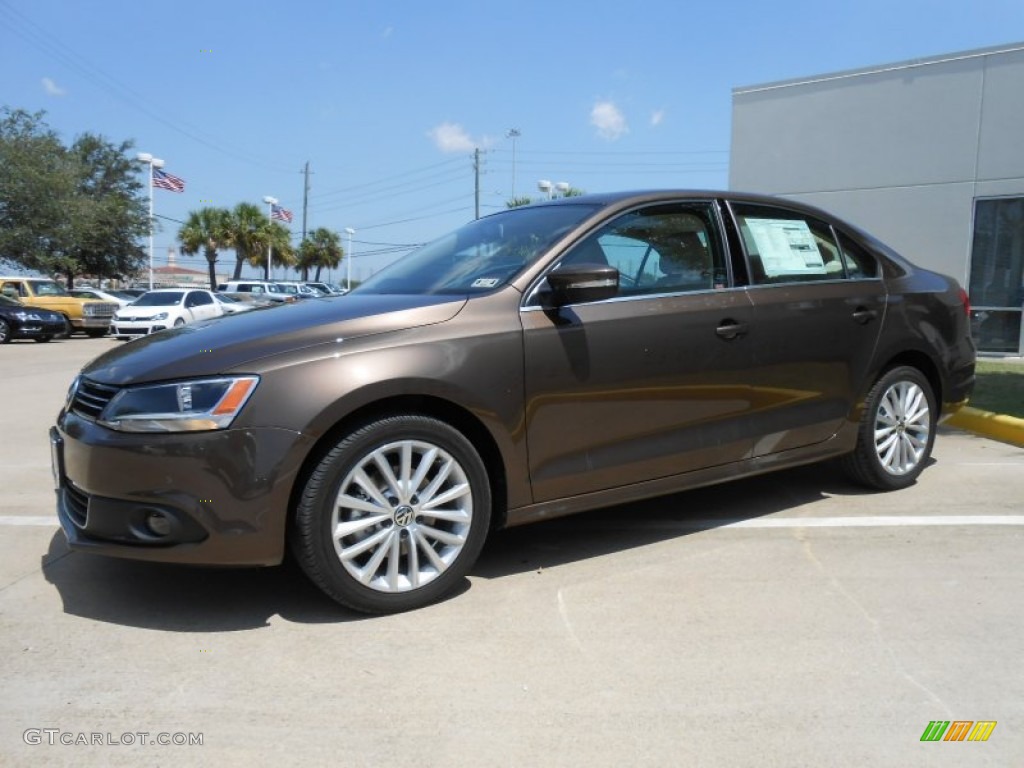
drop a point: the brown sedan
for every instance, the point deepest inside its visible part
(538, 362)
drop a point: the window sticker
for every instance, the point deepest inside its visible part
(485, 282)
(786, 246)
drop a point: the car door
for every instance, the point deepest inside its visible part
(202, 305)
(650, 383)
(818, 312)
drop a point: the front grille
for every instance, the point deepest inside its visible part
(91, 398)
(98, 309)
(76, 504)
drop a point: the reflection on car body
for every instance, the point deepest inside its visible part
(542, 361)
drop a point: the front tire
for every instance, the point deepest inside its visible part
(96, 333)
(394, 516)
(896, 433)
(5, 332)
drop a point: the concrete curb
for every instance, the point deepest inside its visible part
(1006, 429)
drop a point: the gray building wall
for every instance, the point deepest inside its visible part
(902, 150)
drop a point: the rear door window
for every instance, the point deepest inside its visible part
(784, 246)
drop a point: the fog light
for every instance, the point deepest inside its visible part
(158, 523)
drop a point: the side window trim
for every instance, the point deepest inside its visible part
(717, 244)
(815, 227)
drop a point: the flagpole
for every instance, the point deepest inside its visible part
(152, 162)
(271, 202)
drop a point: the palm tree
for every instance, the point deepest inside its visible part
(207, 230)
(246, 226)
(278, 239)
(321, 248)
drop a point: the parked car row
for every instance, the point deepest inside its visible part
(41, 309)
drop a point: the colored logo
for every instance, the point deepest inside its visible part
(958, 730)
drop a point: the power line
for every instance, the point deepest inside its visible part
(37, 37)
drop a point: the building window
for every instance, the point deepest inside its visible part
(997, 275)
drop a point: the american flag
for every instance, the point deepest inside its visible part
(165, 180)
(277, 212)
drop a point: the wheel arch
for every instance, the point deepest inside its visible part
(443, 410)
(920, 361)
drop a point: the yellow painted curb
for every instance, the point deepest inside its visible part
(1006, 429)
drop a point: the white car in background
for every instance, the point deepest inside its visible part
(233, 306)
(121, 300)
(298, 290)
(164, 308)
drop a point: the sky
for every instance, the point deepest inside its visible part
(387, 101)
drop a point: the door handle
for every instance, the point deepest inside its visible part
(863, 315)
(730, 329)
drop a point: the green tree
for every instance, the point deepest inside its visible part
(250, 232)
(109, 214)
(36, 184)
(71, 210)
(321, 248)
(206, 230)
(275, 237)
(245, 224)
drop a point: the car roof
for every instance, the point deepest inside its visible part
(628, 198)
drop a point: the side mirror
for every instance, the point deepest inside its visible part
(580, 283)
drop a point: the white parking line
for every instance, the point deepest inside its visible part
(869, 521)
(757, 522)
(29, 520)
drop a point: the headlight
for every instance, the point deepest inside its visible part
(159, 316)
(183, 406)
(23, 316)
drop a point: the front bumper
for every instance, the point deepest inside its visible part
(210, 498)
(91, 322)
(129, 330)
(38, 329)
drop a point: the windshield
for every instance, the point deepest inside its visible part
(155, 299)
(282, 288)
(480, 256)
(48, 288)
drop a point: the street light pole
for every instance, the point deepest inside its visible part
(271, 202)
(152, 162)
(348, 260)
(513, 133)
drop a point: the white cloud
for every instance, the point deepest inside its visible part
(451, 137)
(609, 120)
(52, 88)
(657, 117)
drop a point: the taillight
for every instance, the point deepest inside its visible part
(966, 301)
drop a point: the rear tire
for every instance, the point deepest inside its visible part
(896, 432)
(394, 516)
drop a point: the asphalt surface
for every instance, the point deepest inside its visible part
(788, 620)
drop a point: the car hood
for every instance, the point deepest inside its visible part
(42, 314)
(234, 341)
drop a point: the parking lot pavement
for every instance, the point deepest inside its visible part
(788, 620)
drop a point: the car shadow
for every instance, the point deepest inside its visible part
(193, 599)
(616, 529)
